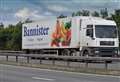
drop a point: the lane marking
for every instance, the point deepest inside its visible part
(39, 78)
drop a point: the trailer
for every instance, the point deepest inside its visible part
(88, 36)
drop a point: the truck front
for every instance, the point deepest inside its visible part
(103, 38)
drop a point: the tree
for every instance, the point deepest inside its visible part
(62, 16)
(85, 13)
(116, 18)
(17, 36)
(104, 13)
(79, 13)
(2, 38)
(28, 21)
(73, 14)
(11, 37)
(95, 14)
(1, 25)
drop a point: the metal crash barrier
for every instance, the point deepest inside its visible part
(68, 59)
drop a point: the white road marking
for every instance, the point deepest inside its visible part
(39, 78)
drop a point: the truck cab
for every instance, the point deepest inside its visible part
(98, 37)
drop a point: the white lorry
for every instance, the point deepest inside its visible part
(90, 36)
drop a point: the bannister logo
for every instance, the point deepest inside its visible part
(35, 31)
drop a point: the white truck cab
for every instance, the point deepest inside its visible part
(98, 37)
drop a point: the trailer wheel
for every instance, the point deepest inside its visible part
(73, 53)
(41, 52)
(65, 52)
(86, 53)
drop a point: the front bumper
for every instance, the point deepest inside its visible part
(105, 51)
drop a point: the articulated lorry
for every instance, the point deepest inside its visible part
(86, 36)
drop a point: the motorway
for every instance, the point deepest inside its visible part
(10, 73)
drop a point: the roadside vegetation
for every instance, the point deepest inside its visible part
(11, 36)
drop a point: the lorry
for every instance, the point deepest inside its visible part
(71, 36)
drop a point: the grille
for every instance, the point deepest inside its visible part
(107, 43)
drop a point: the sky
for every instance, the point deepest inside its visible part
(12, 11)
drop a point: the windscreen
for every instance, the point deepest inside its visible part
(105, 31)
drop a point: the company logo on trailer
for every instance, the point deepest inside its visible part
(35, 31)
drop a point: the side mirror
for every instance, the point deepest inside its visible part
(93, 38)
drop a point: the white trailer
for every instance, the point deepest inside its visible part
(90, 36)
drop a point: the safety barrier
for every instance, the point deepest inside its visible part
(67, 59)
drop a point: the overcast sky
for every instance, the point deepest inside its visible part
(12, 11)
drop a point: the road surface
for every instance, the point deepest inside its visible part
(10, 73)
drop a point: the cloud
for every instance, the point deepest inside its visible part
(58, 8)
(23, 13)
(97, 4)
(16, 10)
(93, 1)
(48, 13)
(27, 13)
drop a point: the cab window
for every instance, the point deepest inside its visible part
(89, 30)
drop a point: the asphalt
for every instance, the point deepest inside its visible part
(10, 73)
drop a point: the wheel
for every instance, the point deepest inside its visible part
(27, 51)
(73, 53)
(41, 52)
(109, 61)
(65, 52)
(86, 53)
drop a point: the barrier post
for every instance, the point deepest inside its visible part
(86, 63)
(106, 65)
(6, 57)
(40, 60)
(28, 59)
(68, 63)
(53, 62)
(16, 58)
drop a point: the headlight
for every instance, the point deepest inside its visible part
(116, 52)
(97, 51)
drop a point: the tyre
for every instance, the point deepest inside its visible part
(73, 53)
(86, 53)
(65, 52)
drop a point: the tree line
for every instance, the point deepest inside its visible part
(11, 36)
